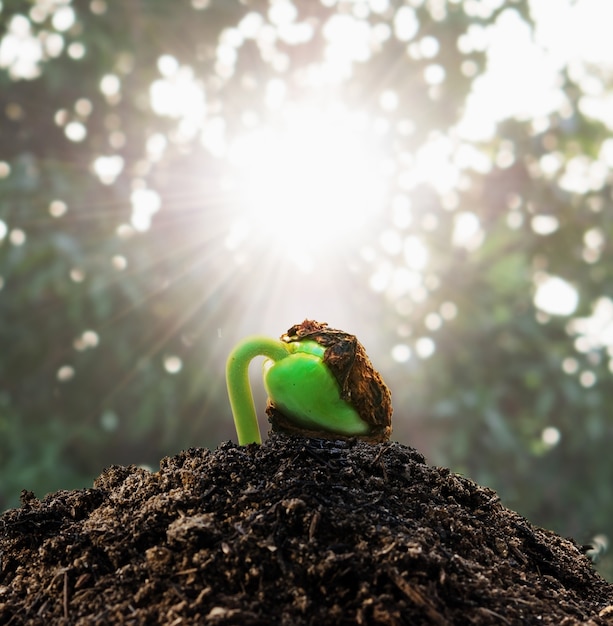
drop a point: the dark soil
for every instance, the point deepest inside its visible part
(295, 531)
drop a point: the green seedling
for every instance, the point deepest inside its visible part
(320, 383)
(299, 385)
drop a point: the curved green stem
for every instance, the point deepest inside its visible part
(237, 380)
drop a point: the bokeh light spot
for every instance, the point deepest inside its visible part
(406, 23)
(551, 436)
(17, 237)
(544, 224)
(65, 373)
(108, 168)
(63, 18)
(77, 275)
(401, 353)
(145, 203)
(425, 347)
(173, 364)
(109, 421)
(555, 296)
(75, 131)
(587, 378)
(76, 50)
(88, 339)
(119, 262)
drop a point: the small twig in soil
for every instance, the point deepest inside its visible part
(416, 596)
(313, 524)
(494, 614)
(65, 594)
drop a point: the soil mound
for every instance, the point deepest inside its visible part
(295, 531)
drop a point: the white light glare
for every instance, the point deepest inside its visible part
(316, 181)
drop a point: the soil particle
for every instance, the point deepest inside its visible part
(294, 531)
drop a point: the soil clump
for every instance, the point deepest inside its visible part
(295, 531)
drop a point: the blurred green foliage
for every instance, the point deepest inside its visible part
(113, 337)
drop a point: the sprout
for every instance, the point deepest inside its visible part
(319, 382)
(239, 390)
